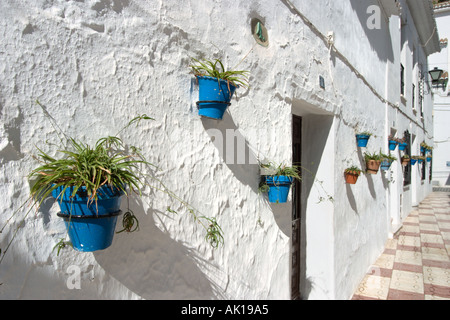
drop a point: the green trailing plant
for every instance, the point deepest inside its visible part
(217, 70)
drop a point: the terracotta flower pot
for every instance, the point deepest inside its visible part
(405, 161)
(351, 177)
(372, 166)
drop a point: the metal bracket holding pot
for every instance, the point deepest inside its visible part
(212, 101)
(71, 216)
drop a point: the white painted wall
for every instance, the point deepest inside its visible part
(441, 151)
(96, 64)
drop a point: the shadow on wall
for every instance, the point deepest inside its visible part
(234, 150)
(374, 25)
(153, 265)
(243, 163)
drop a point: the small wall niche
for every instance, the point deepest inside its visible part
(259, 32)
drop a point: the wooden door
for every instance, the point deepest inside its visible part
(296, 210)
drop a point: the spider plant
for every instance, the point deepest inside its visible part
(373, 156)
(217, 70)
(90, 167)
(279, 170)
(283, 170)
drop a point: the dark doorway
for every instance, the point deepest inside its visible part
(296, 209)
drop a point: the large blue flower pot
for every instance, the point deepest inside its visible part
(279, 187)
(90, 224)
(402, 145)
(214, 97)
(362, 140)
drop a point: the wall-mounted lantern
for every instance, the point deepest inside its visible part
(438, 78)
(435, 74)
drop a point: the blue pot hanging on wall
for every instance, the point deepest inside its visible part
(402, 145)
(362, 140)
(413, 161)
(392, 145)
(279, 187)
(90, 224)
(385, 165)
(214, 97)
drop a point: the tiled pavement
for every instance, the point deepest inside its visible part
(415, 264)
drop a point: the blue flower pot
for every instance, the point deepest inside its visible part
(402, 146)
(214, 97)
(279, 187)
(90, 224)
(413, 161)
(428, 159)
(385, 165)
(392, 145)
(362, 140)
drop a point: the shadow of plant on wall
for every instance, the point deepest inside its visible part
(152, 264)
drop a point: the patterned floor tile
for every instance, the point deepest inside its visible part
(432, 297)
(436, 276)
(444, 225)
(410, 229)
(436, 254)
(429, 227)
(385, 261)
(408, 257)
(437, 292)
(392, 244)
(415, 264)
(431, 238)
(374, 287)
(427, 218)
(410, 241)
(407, 281)
(445, 235)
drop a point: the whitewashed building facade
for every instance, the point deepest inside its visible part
(326, 70)
(441, 114)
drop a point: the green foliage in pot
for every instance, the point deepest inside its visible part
(388, 157)
(365, 133)
(372, 156)
(217, 70)
(279, 170)
(91, 167)
(353, 170)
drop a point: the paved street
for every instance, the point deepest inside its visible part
(415, 264)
